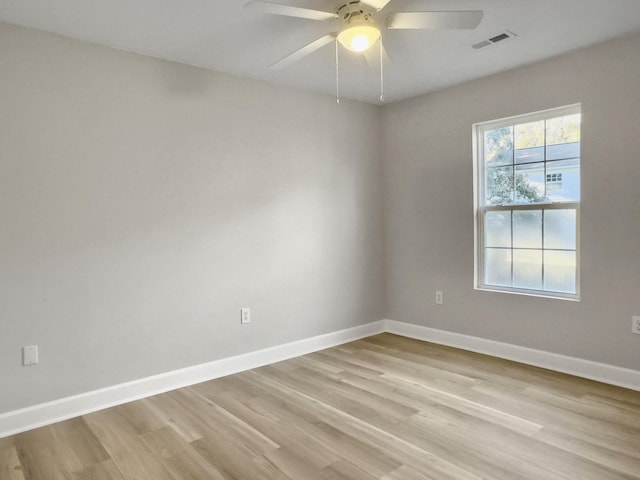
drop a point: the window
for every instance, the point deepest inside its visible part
(554, 181)
(527, 188)
(554, 178)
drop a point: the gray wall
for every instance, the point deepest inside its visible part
(429, 206)
(143, 203)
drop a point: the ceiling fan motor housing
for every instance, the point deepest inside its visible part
(356, 13)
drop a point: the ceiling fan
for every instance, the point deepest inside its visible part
(357, 24)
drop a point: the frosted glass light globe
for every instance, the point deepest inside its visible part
(359, 38)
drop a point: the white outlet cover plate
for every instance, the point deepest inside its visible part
(30, 355)
(635, 325)
(245, 315)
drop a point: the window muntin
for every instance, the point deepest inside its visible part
(528, 203)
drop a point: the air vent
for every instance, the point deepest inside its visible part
(495, 39)
(499, 38)
(484, 43)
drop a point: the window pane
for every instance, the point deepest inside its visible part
(498, 267)
(563, 180)
(498, 146)
(529, 135)
(530, 183)
(560, 229)
(560, 271)
(527, 229)
(497, 229)
(563, 129)
(527, 269)
(529, 155)
(499, 186)
(563, 150)
(529, 139)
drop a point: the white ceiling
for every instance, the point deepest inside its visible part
(221, 35)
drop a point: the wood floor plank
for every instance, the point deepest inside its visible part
(372, 435)
(355, 401)
(587, 407)
(199, 412)
(290, 433)
(387, 362)
(613, 460)
(187, 423)
(405, 472)
(554, 417)
(10, 467)
(42, 455)
(178, 457)
(235, 461)
(384, 407)
(344, 470)
(294, 465)
(121, 439)
(78, 444)
(291, 421)
(106, 470)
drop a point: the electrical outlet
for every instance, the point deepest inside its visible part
(635, 325)
(245, 315)
(30, 355)
(439, 297)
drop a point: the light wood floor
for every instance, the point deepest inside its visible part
(381, 408)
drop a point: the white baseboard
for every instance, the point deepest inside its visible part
(55, 411)
(601, 372)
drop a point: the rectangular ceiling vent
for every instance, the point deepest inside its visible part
(495, 39)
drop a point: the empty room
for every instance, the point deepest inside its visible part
(318, 239)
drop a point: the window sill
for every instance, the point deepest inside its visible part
(530, 293)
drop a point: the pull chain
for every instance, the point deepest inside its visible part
(381, 72)
(337, 75)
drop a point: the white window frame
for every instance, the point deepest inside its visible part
(480, 208)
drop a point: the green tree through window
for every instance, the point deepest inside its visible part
(500, 187)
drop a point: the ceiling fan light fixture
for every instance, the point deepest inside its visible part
(359, 37)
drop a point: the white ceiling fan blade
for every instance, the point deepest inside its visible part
(377, 4)
(289, 10)
(435, 20)
(304, 51)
